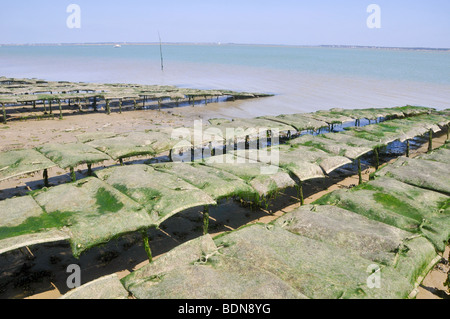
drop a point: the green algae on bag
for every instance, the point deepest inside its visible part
(395, 203)
(216, 183)
(93, 211)
(419, 172)
(196, 270)
(162, 194)
(316, 269)
(383, 244)
(20, 162)
(266, 179)
(72, 154)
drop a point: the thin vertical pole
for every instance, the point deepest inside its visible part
(300, 193)
(46, 184)
(160, 52)
(60, 110)
(430, 140)
(359, 171)
(407, 148)
(94, 105)
(205, 220)
(72, 174)
(4, 113)
(377, 158)
(108, 110)
(147, 245)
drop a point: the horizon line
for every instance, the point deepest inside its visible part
(224, 44)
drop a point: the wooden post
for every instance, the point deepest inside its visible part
(94, 105)
(147, 245)
(46, 184)
(407, 148)
(430, 141)
(121, 161)
(34, 105)
(206, 100)
(134, 104)
(50, 106)
(300, 193)
(72, 174)
(377, 158)
(120, 106)
(258, 142)
(108, 109)
(4, 113)
(60, 110)
(205, 220)
(89, 172)
(159, 104)
(359, 171)
(45, 110)
(211, 149)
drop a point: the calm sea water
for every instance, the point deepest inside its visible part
(304, 79)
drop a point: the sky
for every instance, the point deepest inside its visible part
(403, 23)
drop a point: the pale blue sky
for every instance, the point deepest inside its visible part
(404, 23)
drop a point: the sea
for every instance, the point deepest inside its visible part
(302, 79)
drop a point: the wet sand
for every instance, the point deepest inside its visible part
(39, 272)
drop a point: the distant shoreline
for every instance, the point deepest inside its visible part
(229, 44)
